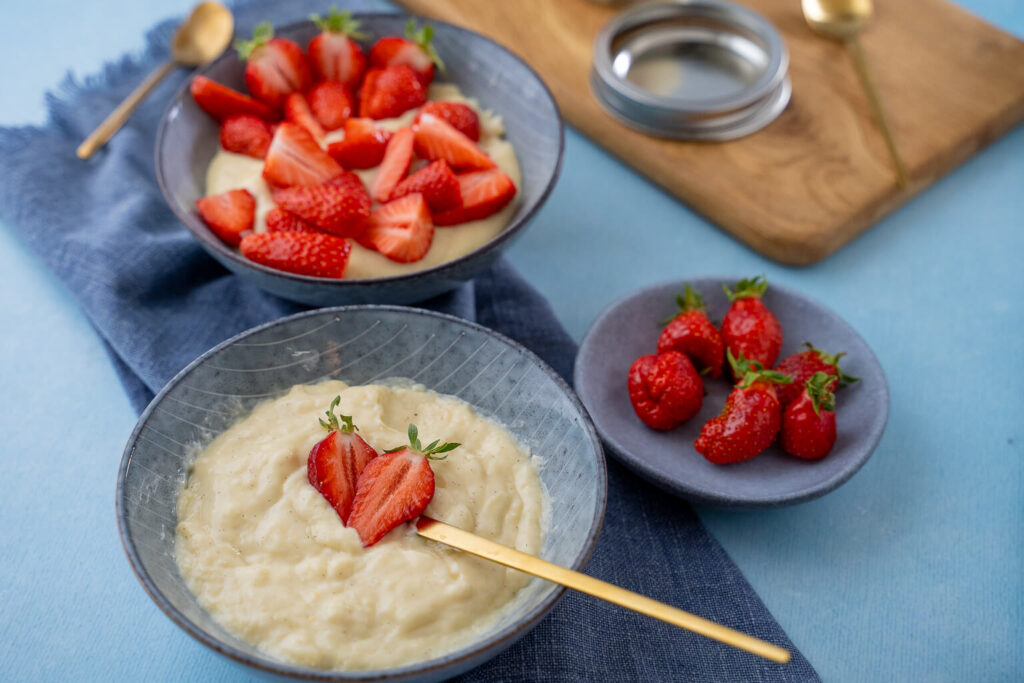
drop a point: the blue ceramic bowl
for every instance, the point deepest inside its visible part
(188, 138)
(359, 345)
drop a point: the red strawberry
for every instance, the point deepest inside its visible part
(394, 166)
(350, 181)
(809, 423)
(335, 463)
(437, 139)
(333, 53)
(304, 253)
(274, 67)
(414, 51)
(395, 487)
(749, 328)
(330, 103)
(296, 110)
(279, 220)
(803, 364)
(402, 230)
(665, 389)
(460, 116)
(751, 418)
(295, 158)
(437, 184)
(390, 92)
(363, 145)
(338, 210)
(245, 134)
(229, 215)
(483, 193)
(221, 102)
(691, 332)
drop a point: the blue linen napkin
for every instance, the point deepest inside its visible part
(158, 301)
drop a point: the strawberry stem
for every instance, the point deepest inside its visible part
(432, 450)
(753, 371)
(423, 37)
(833, 360)
(817, 389)
(338, 22)
(331, 423)
(689, 300)
(263, 32)
(748, 288)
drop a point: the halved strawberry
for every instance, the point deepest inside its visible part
(438, 139)
(221, 102)
(461, 117)
(279, 220)
(414, 51)
(229, 215)
(363, 145)
(335, 463)
(349, 181)
(295, 158)
(436, 182)
(395, 487)
(274, 67)
(390, 92)
(245, 134)
(483, 193)
(394, 166)
(330, 103)
(337, 210)
(296, 110)
(304, 253)
(402, 230)
(333, 54)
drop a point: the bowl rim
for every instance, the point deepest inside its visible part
(497, 642)
(206, 238)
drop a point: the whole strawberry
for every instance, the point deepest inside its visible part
(275, 67)
(809, 423)
(665, 389)
(414, 50)
(335, 463)
(751, 418)
(803, 364)
(691, 332)
(749, 328)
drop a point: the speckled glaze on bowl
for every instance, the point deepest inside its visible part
(188, 138)
(359, 345)
(629, 328)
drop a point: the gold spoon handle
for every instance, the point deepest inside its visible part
(116, 119)
(495, 552)
(861, 63)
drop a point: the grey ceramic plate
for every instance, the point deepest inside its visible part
(359, 345)
(630, 327)
(188, 138)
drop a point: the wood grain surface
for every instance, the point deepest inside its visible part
(819, 174)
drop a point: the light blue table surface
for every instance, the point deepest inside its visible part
(913, 571)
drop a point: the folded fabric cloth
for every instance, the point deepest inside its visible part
(159, 301)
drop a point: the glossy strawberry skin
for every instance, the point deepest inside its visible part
(229, 215)
(747, 425)
(802, 365)
(805, 433)
(398, 51)
(393, 488)
(248, 135)
(334, 465)
(390, 92)
(279, 220)
(331, 104)
(338, 210)
(665, 389)
(436, 182)
(363, 145)
(693, 334)
(317, 255)
(749, 328)
(482, 194)
(221, 102)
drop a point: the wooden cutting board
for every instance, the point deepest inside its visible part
(819, 174)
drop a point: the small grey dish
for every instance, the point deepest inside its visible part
(629, 328)
(691, 69)
(188, 138)
(360, 345)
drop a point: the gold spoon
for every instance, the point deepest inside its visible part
(842, 20)
(510, 557)
(201, 38)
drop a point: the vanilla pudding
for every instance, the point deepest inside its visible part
(229, 171)
(268, 557)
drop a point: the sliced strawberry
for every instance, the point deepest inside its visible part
(335, 463)
(363, 145)
(296, 110)
(245, 134)
(390, 92)
(349, 181)
(460, 116)
(333, 53)
(414, 51)
(229, 215)
(436, 182)
(438, 139)
(394, 166)
(483, 193)
(402, 230)
(221, 102)
(339, 210)
(275, 67)
(304, 253)
(295, 158)
(279, 220)
(330, 103)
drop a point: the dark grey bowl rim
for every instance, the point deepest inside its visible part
(499, 640)
(208, 240)
(717, 498)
